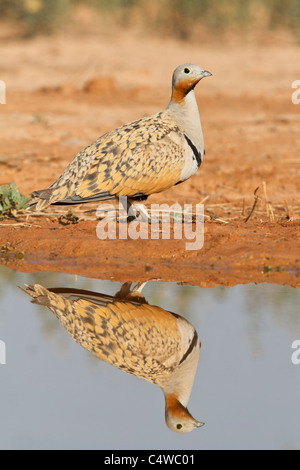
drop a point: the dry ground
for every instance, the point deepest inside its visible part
(65, 91)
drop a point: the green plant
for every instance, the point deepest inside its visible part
(11, 201)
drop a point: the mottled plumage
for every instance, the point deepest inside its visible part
(144, 157)
(141, 339)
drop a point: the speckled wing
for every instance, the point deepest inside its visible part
(144, 157)
(141, 339)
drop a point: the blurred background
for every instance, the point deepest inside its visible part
(179, 18)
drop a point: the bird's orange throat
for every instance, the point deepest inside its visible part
(182, 89)
(174, 406)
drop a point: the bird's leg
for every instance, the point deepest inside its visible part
(124, 291)
(132, 209)
(136, 293)
(139, 287)
(143, 213)
(127, 205)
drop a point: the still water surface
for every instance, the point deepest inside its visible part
(56, 395)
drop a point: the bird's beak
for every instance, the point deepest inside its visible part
(198, 424)
(205, 73)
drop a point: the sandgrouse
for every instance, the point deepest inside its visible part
(144, 157)
(141, 339)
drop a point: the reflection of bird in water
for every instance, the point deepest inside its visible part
(139, 338)
(138, 159)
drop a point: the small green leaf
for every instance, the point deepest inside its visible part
(11, 201)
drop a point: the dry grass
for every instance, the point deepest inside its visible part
(262, 209)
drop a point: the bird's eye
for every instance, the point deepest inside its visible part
(186, 70)
(179, 426)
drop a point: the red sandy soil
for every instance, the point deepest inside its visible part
(65, 91)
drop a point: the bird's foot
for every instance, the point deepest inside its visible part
(127, 220)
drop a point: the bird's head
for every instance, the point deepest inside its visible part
(178, 418)
(185, 78)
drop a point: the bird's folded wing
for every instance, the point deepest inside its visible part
(141, 339)
(143, 168)
(141, 330)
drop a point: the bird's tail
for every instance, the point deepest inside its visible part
(39, 294)
(41, 200)
(59, 305)
(62, 195)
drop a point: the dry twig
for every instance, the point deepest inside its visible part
(256, 198)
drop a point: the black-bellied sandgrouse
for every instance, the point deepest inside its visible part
(139, 338)
(138, 159)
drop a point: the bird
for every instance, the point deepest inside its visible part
(141, 339)
(138, 159)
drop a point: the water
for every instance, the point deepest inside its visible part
(56, 395)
